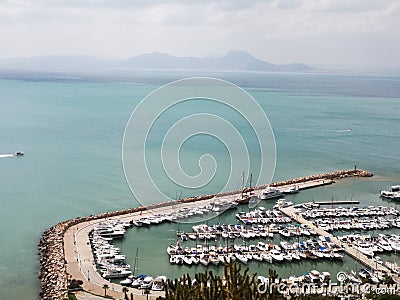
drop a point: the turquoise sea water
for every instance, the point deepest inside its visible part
(71, 130)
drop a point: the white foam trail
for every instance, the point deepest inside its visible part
(344, 130)
(6, 155)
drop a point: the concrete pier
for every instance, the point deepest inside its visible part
(338, 202)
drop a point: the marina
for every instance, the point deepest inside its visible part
(349, 250)
(80, 260)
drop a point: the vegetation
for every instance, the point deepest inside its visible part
(125, 290)
(75, 285)
(235, 285)
(105, 287)
(71, 296)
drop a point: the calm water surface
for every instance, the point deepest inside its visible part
(71, 132)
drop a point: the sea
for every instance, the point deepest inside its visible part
(71, 129)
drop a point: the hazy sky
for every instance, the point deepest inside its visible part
(342, 33)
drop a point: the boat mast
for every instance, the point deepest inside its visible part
(136, 263)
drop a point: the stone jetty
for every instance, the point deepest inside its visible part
(53, 267)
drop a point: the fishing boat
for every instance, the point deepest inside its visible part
(19, 153)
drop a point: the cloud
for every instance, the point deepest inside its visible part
(281, 31)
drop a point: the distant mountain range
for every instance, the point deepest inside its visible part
(232, 61)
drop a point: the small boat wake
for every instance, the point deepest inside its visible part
(339, 130)
(16, 154)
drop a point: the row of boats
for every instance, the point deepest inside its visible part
(371, 245)
(110, 262)
(379, 223)
(321, 248)
(216, 206)
(354, 211)
(273, 192)
(262, 216)
(240, 231)
(319, 279)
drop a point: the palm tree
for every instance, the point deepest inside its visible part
(147, 292)
(272, 275)
(105, 287)
(325, 284)
(125, 290)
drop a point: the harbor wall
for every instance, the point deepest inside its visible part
(53, 271)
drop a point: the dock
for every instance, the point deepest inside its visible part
(354, 253)
(338, 202)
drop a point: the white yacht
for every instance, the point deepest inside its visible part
(281, 203)
(158, 283)
(270, 193)
(365, 249)
(291, 190)
(187, 260)
(385, 245)
(204, 259)
(147, 282)
(116, 273)
(126, 282)
(241, 257)
(393, 193)
(378, 260)
(266, 257)
(276, 255)
(257, 256)
(137, 282)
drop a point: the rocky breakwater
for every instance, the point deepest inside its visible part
(53, 270)
(52, 273)
(325, 176)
